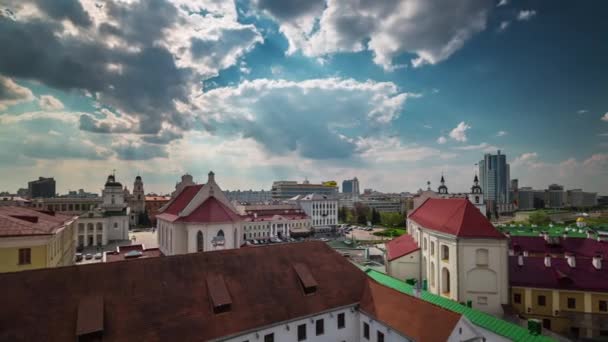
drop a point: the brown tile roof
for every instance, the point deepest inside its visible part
(410, 316)
(42, 304)
(21, 221)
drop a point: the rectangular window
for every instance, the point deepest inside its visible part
(341, 320)
(301, 332)
(603, 306)
(547, 323)
(25, 256)
(541, 300)
(269, 338)
(517, 298)
(432, 248)
(571, 303)
(319, 327)
(380, 337)
(482, 300)
(366, 330)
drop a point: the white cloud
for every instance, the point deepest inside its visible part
(503, 25)
(12, 93)
(605, 117)
(502, 3)
(524, 158)
(485, 147)
(459, 133)
(48, 102)
(525, 15)
(391, 149)
(431, 29)
(582, 111)
(501, 133)
(441, 140)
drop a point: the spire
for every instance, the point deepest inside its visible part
(442, 180)
(476, 180)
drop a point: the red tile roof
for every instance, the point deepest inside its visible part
(455, 216)
(21, 221)
(177, 306)
(182, 200)
(212, 211)
(559, 245)
(410, 316)
(534, 273)
(401, 246)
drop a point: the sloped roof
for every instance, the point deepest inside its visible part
(178, 306)
(22, 221)
(534, 273)
(579, 246)
(183, 198)
(412, 317)
(401, 246)
(211, 211)
(479, 318)
(455, 216)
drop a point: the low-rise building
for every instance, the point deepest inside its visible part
(153, 205)
(129, 252)
(284, 292)
(67, 205)
(322, 210)
(31, 239)
(284, 190)
(272, 220)
(249, 196)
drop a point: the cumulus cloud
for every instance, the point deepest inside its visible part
(106, 121)
(391, 149)
(48, 102)
(11, 93)
(502, 3)
(503, 26)
(305, 116)
(442, 140)
(525, 15)
(431, 29)
(605, 117)
(582, 111)
(139, 151)
(485, 147)
(459, 133)
(501, 133)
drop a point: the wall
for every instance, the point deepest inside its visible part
(405, 267)
(9, 253)
(350, 332)
(210, 231)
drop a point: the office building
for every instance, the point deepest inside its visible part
(322, 210)
(31, 239)
(351, 186)
(284, 190)
(555, 197)
(578, 198)
(495, 179)
(43, 187)
(284, 292)
(267, 221)
(249, 196)
(67, 205)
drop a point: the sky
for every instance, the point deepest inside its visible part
(392, 92)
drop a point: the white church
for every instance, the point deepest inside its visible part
(198, 218)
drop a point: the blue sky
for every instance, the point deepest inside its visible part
(393, 92)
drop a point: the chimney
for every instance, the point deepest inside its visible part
(211, 178)
(547, 260)
(571, 260)
(520, 260)
(597, 261)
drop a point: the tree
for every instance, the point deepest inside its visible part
(342, 214)
(375, 219)
(539, 217)
(361, 217)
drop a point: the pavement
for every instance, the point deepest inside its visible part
(365, 235)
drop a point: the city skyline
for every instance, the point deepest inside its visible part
(260, 91)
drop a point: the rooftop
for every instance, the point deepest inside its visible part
(401, 246)
(132, 252)
(455, 216)
(22, 221)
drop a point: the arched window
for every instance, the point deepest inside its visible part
(481, 257)
(432, 274)
(220, 233)
(445, 253)
(445, 281)
(476, 199)
(199, 241)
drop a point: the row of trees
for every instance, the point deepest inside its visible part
(361, 214)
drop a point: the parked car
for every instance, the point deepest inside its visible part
(78, 257)
(98, 256)
(88, 256)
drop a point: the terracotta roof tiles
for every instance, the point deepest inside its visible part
(401, 246)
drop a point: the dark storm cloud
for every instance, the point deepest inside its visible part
(163, 137)
(287, 10)
(65, 9)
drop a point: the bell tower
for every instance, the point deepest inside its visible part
(476, 196)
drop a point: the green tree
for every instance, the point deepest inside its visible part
(539, 217)
(375, 219)
(342, 214)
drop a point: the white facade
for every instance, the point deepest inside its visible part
(405, 267)
(323, 210)
(464, 269)
(275, 226)
(476, 196)
(177, 237)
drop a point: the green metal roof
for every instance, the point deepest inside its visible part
(553, 231)
(482, 319)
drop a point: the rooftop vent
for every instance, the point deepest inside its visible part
(89, 323)
(308, 282)
(220, 298)
(547, 260)
(571, 260)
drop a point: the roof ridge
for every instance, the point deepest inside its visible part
(457, 210)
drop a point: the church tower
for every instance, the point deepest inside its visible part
(137, 201)
(442, 189)
(476, 196)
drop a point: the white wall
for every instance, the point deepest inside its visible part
(390, 335)
(405, 267)
(350, 332)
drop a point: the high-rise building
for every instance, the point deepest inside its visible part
(283, 190)
(495, 178)
(555, 196)
(350, 186)
(43, 187)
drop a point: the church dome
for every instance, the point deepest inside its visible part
(580, 219)
(112, 181)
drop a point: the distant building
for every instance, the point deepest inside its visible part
(284, 190)
(67, 205)
(185, 181)
(16, 201)
(476, 196)
(495, 179)
(153, 205)
(80, 194)
(249, 196)
(265, 221)
(578, 198)
(322, 209)
(131, 252)
(351, 186)
(43, 187)
(31, 239)
(108, 222)
(555, 197)
(136, 202)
